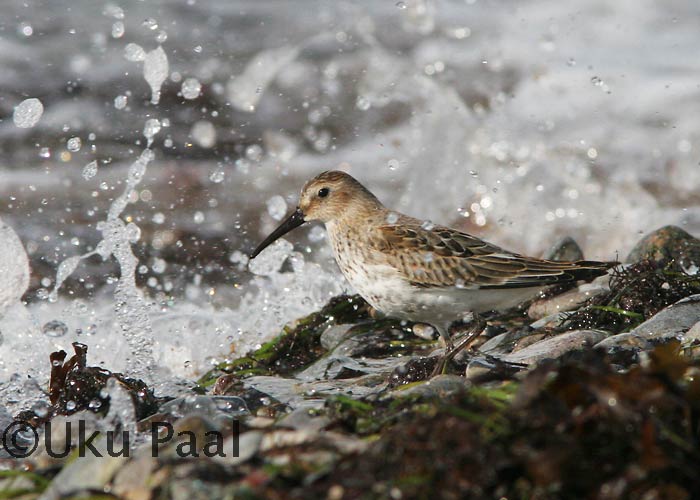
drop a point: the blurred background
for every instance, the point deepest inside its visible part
(519, 121)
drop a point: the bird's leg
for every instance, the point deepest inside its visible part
(445, 334)
(477, 326)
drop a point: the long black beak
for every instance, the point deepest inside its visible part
(294, 220)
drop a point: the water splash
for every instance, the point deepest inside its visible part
(155, 66)
(245, 91)
(131, 307)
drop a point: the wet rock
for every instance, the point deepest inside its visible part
(304, 419)
(556, 346)
(694, 332)
(313, 394)
(255, 400)
(669, 246)
(248, 445)
(673, 322)
(133, 481)
(506, 342)
(212, 407)
(565, 250)
(381, 338)
(570, 299)
(187, 485)
(439, 386)
(335, 367)
(527, 341)
(190, 435)
(482, 369)
(550, 321)
(20, 483)
(84, 473)
(334, 335)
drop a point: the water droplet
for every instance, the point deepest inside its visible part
(90, 170)
(198, 217)
(114, 11)
(120, 101)
(159, 265)
(133, 232)
(204, 134)
(74, 144)
(277, 207)
(393, 164)
(392, 218)
(150, 24)
(28, 113)
(25, 29)
(151, 128)
(55, 328)
(155, 71)
(118, 29)
(134, 52)
(254, 152)
(317, 233)
(217, 176)
(191, 88)
(362, 103)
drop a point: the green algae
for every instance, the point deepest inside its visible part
(296, 347)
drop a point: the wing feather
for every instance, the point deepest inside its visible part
(441, 256)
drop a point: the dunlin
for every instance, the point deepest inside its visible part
(410, 269)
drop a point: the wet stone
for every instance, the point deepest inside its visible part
(556, 346)
(565, 250)
(506, 342)
(334, 335)
(439, 386)
(248, 445)
(303, 418)
(669, 246)
(672, 322)
(569, 300)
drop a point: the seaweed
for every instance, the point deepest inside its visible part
(576, 428)
(74, 387)
(637, 292)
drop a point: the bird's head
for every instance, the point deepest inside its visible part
(328, 197)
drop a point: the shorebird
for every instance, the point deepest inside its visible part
(414, 270)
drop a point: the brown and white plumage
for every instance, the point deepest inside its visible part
(413, 270)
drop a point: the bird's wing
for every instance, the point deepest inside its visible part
(440, 256)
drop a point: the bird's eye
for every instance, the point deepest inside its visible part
(323, 192)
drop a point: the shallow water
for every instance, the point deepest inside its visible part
(519, 121)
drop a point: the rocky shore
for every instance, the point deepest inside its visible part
(589, 392)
